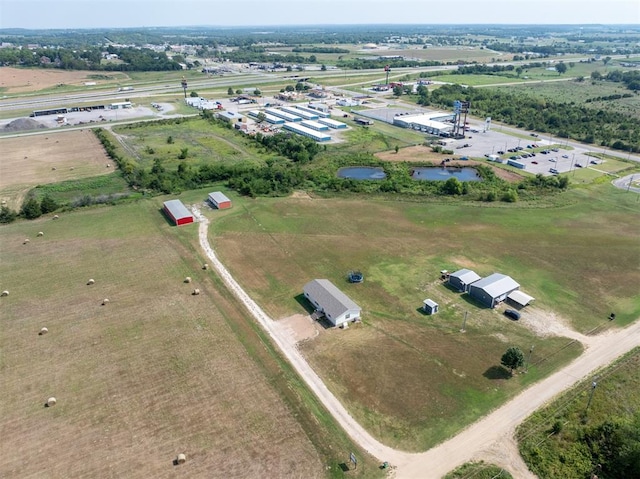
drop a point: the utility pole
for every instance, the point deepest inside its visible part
(593, 388)
(529, 360)
(184, 86)
(464, 322)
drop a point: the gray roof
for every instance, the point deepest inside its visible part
(333, 301)
(177, 209)
(218, 197)
(430, 303)
(496, 285)
(466, 276)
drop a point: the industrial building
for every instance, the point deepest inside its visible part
(326, 298)
(308, 132)
(336, 125)
(462, 278)
(315, 125)
(219, 200)
(432, 123)
(320, 109)
(493, 289)
(230, 116)
(177, 212)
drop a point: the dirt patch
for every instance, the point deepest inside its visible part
(301, 195)
(28, 161)
(547, 323)
(299, 327)
(424, 154)
(21, 80)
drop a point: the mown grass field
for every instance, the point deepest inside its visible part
(414, 380)
(155, 372)
(551, 442)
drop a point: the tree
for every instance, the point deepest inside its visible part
(31, 209)
(238, 91)
(561, 68)
(194, 94)
(513, 358)
(230, 91)
(183, 153)
(289, 88)
(299, 86)
(257, 92)
(453, 186)
(596, 75)
(170, 139)
(397, 90)
(260, 117)
(7, 215)
(48, 204)
(323, 68)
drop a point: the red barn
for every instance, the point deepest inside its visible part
(178, 212)
(219, 200)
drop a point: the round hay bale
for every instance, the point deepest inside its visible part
(71, 168)
(187, 279)
(43, 331)
(196, 292)
(26, 240)
(55, 217)
(91, 281)
(181, 459)
(5, 293)
(108, 165)
(40, 233)
(53, 168)
(51, 402)
(105, 301)
(205, 266)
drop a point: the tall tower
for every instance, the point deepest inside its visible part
(184, 86)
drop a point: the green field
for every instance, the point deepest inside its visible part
(573, 259)
(553, 441)
(155, 372)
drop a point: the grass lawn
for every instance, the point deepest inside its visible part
(414, 380)
(477, 80)
(155, 372)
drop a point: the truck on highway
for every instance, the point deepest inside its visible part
(125, 88)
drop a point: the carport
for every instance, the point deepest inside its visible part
(519, 299)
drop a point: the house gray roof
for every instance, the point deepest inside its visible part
(177, 209)
(496, 284)
(466, 276)
(333, 301)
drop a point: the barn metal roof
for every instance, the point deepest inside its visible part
(520, 297)
(466, 276)
(177, 209)
(333, 301)
(496, 284)
(218, 197)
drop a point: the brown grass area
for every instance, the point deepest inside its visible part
(154, 373)
(423, 153)
(23, 80)
(28, 161)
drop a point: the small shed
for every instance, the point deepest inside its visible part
(462, 278)
(429, 306)
(219, 200)
(178, 212)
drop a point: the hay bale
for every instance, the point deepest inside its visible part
(40, 233)
(43, 331)
(91, 281)
(26, 240)
(53, 168)
(187, 279)
(71, 168)
(181, 459)
(108, 165)
(105, 301)
(196, 292)
(205, 266)
(5, 293)
(55, 217)
(51, 402)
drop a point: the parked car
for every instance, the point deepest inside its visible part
(512, 314)
(500, 152)
(555, 150)
(578, 165)
(553, 171)
(534, 162)
(565, 156)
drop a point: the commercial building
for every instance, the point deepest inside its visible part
(315, 125)
(177, 212)
(336, 125)
(432, 123)
(230, 116)
(493, 289)
(326, 298)
(308, 132)
(274, 120)
(219, 200)
(305, 115)
(282, 114)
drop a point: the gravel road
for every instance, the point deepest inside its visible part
(489, 439)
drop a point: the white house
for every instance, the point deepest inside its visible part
(328, 299)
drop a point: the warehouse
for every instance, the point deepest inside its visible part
(425, 122)
(282, 114)
(326, 298)
(315, 125)
(300, 112)
(320, 109)
(308, 132)
(177, 212)
(274, 120)
(462, 278)
(230, 116)
(336, 125)
(219, 200)
(493, 289)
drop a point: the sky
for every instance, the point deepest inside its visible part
(150, 13)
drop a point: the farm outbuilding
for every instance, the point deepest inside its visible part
(493, 289)
(219, 200)
(337, 307)
(519, 298)
(462, 278)
(429, 306)
(177, 212)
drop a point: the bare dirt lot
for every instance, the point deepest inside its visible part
(423, 153)
(22, 80)
(39, 159)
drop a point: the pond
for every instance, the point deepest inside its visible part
(362, 173)
(435, 173)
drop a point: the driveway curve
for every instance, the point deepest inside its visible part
(490, 438)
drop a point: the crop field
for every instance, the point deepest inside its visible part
(43, 159)
(155, 372)
(28, 80)
(414, 380)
